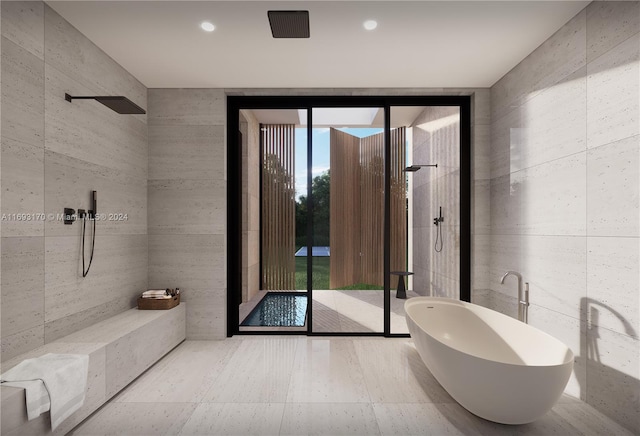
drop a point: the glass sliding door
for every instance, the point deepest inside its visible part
(348, 220)
(332, 199)
(431, 178)
(274, 284)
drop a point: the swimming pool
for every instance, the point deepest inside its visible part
(279, 309)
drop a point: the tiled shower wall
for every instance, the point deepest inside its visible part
(187, 203)
(564, 198)
(53, 154)
(436, 140)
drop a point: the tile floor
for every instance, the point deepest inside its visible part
(308, 386)
(344, 311)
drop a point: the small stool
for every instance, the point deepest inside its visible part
(401, 292)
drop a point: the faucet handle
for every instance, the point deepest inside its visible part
(526, 294)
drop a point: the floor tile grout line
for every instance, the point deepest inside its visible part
(297, 344)
(186, 421)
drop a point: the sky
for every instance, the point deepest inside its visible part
(320, 157)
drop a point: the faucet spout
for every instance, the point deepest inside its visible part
(511, 273)
(523, 297)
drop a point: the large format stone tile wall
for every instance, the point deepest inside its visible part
(187, 203)
(565, 155)
(53, 154)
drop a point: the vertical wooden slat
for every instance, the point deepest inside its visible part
(277, 142)
(265, 208)
(398, 200)
(274, 203)
(270, 210)
(266, 204)
(292, 210)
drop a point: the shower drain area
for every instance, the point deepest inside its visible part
(279, 309)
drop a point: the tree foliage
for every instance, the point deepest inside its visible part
(320, 189)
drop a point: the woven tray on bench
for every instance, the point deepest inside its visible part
(153, 304)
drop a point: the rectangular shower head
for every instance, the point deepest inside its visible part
(414, 168)
(411, 169)
(122, 105)
(119, 104)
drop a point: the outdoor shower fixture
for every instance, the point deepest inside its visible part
(120, 104)
(437, 221)
(414, 168)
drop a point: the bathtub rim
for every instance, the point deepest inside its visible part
(569, 357)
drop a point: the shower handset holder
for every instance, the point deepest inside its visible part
(439, 219)
(94, 205)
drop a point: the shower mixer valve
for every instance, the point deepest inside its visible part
(439, 219)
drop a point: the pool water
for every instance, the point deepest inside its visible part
(279, 309)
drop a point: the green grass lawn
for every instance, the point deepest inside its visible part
(321, 276)
(320, 273)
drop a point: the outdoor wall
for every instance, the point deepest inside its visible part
(54, 153)
(564, 199)
(187, 203)
(357, 207)
(436, 140)
(250, 129)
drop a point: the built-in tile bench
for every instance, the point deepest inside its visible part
(120, 349)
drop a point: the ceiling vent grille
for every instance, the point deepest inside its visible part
(289, 24)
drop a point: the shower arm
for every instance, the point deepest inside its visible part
(415, 167)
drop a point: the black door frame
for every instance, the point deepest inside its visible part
(234, 192)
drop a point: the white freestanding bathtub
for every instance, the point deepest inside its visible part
(495, 366)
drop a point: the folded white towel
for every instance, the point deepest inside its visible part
(154, 293)
(157, 297)
(62, 376)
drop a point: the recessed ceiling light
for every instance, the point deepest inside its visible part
(370, 24)
(207, 26)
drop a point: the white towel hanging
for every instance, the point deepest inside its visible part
(56, 382)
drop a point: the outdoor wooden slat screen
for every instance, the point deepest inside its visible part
(357, 208)
(278, 207)
(344, 214)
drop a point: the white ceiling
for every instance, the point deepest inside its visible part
(416, 44)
